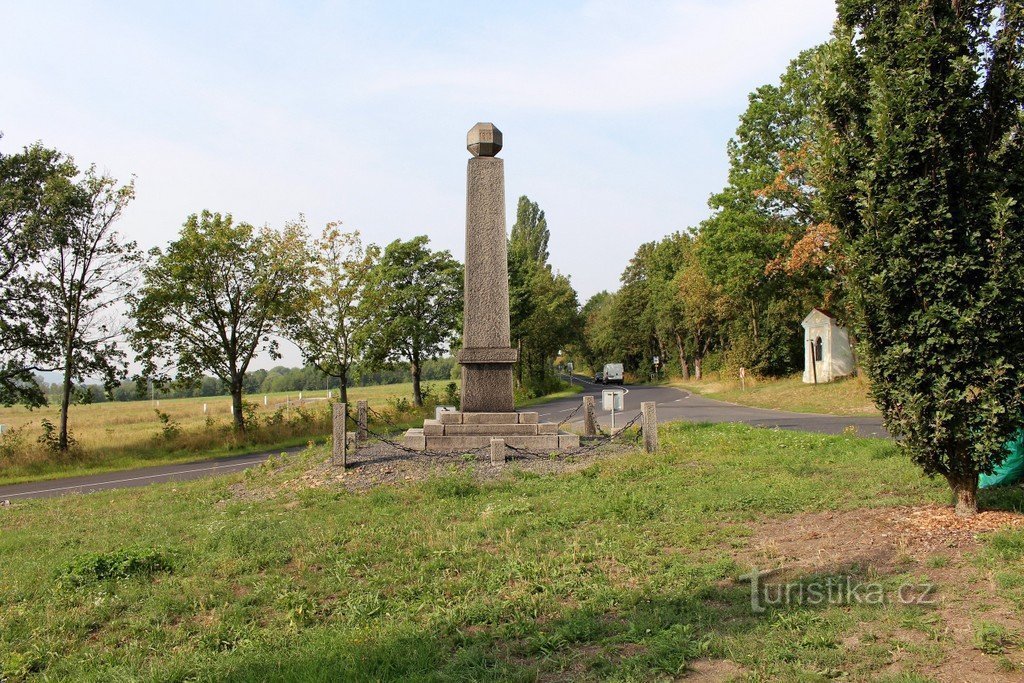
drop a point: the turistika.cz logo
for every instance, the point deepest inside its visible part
(833, 590)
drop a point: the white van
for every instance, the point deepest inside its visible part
(612, 373)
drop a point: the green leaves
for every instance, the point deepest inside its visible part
(922, 175)
(212, 300)
(413, 306)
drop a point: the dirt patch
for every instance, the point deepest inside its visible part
(928, 542)
(713, 671)
(882, 539)
(378, 464)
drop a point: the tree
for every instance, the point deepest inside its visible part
(699, 306)
(413, 306)
(213, 299)
(600, 338)
(923, 174)
(37, 194)
(527, 253)
(86, 274)
(552, 325)
(330, 317)
(766, 222)
(543, 306)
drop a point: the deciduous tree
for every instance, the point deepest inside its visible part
(330, 317)
(413, 306)
(37, 195)
(86, 274)
(215, 298)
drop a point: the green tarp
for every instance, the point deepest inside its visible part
(1011, 469)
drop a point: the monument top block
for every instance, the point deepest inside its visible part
(484, 140)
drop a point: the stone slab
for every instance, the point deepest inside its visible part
(433, 428)
(546, 428)
(457, 443)
(414, 438)
(568, 441)
(490, 418)
(529, 418)
(478, 355)
(450, 418)
(490, 430)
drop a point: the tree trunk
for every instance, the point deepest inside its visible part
(65, 403)
(853, 352)
(519, 365)
(965, 491)
(683, 365)
(236, 405)
(343, 378)
(417, 394)
(697, 363)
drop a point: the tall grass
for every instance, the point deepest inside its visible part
(118, 435)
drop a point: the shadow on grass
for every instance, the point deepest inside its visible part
(1003, 498)
(635, 637)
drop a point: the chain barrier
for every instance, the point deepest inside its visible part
(387, 440)
(582, 450)
(569, 417)
(604, 439)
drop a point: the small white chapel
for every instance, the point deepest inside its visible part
(827, 351)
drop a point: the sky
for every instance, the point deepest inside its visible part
(615, 115)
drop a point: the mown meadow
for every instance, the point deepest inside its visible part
(123, 434)
(628, 569)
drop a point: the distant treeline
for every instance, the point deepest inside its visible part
(275, 380)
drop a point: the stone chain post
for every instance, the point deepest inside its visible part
(649, 424)
(340, 442)
(361, 417)
(497, 451)
(589, 420)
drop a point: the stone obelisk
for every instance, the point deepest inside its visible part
(487, 418)
(486, 356)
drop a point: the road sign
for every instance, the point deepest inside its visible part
(657, 361)
(569, 366)
(611, 399)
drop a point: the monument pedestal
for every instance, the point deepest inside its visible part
(487, 379)
(469, 431)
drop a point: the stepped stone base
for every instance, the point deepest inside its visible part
(469, 431)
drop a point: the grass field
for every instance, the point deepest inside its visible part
(626, 570)
(121, 435)
(848, 396)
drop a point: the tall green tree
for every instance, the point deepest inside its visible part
(330, 318)
(543, 306)
(923, 173)
(769, 208)
(215, 298)
(38, 195)
(700, 308)
(413, 307)
(600, 340)
(85, 275)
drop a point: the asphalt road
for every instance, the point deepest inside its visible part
(672, 405)
(676, 404)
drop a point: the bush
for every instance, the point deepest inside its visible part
(114, 565)
(12, 444)
(169, 429)
(50, 440)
